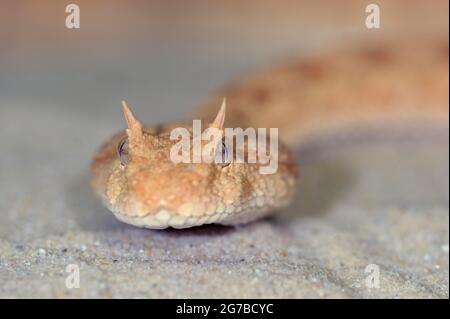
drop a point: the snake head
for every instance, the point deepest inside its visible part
(147, 188)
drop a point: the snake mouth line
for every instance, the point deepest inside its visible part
(163, 219)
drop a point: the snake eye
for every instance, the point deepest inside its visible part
(122, 151)
(225, 157)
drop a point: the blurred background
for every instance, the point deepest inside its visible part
(166, 56)
(60, 93)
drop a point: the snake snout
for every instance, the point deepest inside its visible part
(168, 189)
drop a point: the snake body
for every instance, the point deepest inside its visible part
(306, 98)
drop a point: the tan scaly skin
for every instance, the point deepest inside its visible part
(306, 99)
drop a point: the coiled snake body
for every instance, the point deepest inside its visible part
(305, 98)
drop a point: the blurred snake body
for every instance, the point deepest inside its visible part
(306, 98)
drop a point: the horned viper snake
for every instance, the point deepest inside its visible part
(306, 98)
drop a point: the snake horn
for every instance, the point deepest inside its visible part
(134, 131)
(220, 117)
(217, 124)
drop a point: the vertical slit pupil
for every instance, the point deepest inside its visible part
(122, 152)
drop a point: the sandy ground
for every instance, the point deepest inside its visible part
(354, 208)
(385, 205)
